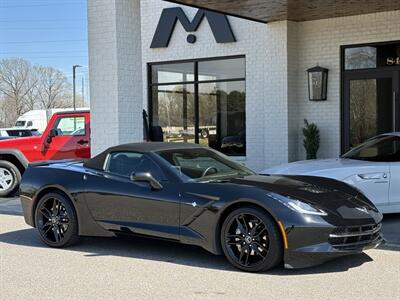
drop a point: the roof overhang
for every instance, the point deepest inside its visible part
(293, 10)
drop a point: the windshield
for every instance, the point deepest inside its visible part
(20, 124)
(203, 164)
(382, 148)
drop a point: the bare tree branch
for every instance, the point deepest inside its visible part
(24, 87)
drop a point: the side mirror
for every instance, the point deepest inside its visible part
(147, 177)
(52, 133)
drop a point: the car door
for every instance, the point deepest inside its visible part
(72, 140)
(394, 191)
(373, 180)
(119, 204)
(379, 175)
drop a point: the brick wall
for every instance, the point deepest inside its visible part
(277, 57)
(318, 42)
(103, 74)
(115, 83)
(266, 109)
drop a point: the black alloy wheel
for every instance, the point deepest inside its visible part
(251, 240)
(56, 220)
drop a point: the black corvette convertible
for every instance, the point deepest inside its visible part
(192, 194)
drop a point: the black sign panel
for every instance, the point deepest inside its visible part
(389, 55)
(219, 25)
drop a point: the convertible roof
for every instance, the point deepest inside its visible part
(153, 146)
(97, 162)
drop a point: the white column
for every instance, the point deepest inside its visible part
(115, 72)
(276, 95)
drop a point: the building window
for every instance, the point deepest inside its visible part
(372, 56)
(201, 101)
(360, 58)
(370, 91)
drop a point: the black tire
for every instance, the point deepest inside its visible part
(11, 180)
(265, 244)
(56, 220)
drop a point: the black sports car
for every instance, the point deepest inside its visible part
(195, 195)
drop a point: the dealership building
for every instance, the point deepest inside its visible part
(241, 76)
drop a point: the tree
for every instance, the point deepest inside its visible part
(31, 100)
(53, 89)
(15, 83)
(24, 87)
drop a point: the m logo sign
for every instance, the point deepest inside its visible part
(219, 24)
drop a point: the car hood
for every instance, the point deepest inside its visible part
(338, 168)
(17, 142)
(330, 195)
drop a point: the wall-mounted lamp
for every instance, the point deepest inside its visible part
(317, 83)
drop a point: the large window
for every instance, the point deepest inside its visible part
(201, 101)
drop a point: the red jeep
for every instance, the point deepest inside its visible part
(67, 135)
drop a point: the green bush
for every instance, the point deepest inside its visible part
(311, 139)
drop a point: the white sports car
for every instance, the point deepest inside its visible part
(373, 167)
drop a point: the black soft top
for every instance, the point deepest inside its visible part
(97, 162)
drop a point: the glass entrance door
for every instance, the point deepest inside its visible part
(371, 105)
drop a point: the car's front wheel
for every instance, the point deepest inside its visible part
(251, 240)
(56, 220)
(10, 178)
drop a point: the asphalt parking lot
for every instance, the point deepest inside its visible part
(99, 268)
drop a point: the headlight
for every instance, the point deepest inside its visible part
(297, 205)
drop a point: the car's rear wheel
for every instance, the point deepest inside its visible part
(250, 240)
(56, 220)
(10, 178)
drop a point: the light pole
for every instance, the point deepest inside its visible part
(83, 91)
(73, 82)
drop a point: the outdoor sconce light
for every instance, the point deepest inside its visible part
(317, 83)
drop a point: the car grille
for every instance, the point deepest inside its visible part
(354, 237)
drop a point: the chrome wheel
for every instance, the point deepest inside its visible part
(53, 220)
(6, 179)
(246, 240)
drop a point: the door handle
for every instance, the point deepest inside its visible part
(373, 176)
(83, 142)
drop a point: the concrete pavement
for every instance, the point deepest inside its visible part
(10, 206)
(99, 268)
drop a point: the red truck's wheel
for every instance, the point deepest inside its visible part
(10, 177)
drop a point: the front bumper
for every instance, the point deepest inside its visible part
(317, 254)
(312, 246)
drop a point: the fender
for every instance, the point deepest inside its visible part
(17, 154)
(86, 224)
(214, 247)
